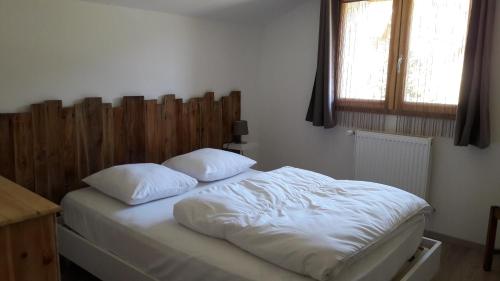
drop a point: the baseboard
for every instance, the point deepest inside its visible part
(453, 240)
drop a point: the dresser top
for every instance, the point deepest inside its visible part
(19, 204)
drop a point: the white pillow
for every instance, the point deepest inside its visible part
(140, 183)
(210, 164)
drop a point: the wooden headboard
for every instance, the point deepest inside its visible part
(50, 149)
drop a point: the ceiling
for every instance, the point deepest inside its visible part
(256, 12)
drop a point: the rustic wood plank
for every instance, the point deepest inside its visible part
(6, 262)
(50, 149)
(6, 147)
(186, 129)
(227, 119)
(135, 123)
(89, 129)
(182, 131)
(55, 169)
(207, 119)
(236, 105)
(217, 137)
(69, 148)
(120, 144)
(23, 150)
(152, 148)
(193, 115)
(94, 126)
(108, 135)
(231, 112)
(161, 127)
(40, 140)
(169, 127)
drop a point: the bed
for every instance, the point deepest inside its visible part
(144, 242)
(114, 241)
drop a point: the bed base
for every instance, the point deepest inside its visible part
(109, 267)
(425, 264)
(101, 263)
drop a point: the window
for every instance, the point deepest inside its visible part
(401, 56)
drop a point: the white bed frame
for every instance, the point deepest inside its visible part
(109, 267)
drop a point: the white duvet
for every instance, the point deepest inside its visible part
(300, 220)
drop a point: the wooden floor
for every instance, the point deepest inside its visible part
(458, 263)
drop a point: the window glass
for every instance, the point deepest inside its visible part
(365, 31)
(438, 31)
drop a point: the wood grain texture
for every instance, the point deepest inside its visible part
(461, 263)
(135, 137)
(235, 99)
(183, 134)
(6, 147)
(107, 135)
(23, 150)
(6, 260)
(29, 250)
(55, 172)
(193, 117)
(218, 133)
(89, 130)
(40, 139)
(227, 117)
(51, 148)
(69, 153)
(19, 204)
(207, 119)
(168, 128)
(119, 143)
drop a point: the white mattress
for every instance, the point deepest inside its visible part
(148, 237)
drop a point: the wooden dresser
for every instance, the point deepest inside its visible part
(28, 248)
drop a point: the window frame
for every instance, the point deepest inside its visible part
(398, 53)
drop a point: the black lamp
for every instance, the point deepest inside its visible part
(240, 128)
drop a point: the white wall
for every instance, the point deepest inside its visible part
(69, 49)
(465, 182)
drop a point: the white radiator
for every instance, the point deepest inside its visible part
(395, 160)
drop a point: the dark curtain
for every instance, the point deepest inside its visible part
(322, 104)
(473, 115)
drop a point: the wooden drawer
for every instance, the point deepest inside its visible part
(28, 250)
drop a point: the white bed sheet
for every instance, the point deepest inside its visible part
(148, 237)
